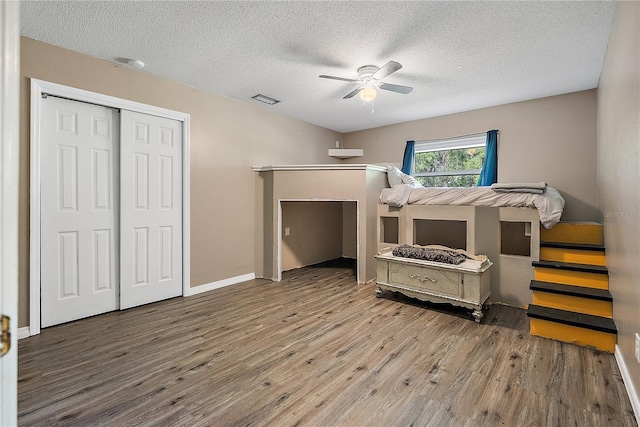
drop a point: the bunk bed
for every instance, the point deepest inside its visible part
(548, 201)
(502, 223)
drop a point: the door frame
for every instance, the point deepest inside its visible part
(38, 87)
(9, 187)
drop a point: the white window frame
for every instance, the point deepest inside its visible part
(454, 143)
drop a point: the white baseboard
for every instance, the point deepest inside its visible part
(631, 390)
(24, 332)
(221, 283)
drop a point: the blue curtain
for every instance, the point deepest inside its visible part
(407, 160)
(489, 172)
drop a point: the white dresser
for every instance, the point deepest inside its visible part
(465, 285)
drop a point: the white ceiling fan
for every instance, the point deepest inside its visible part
(370, 78)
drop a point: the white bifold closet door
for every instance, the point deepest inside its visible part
(151, 209)
(111, 210)
(79, 210)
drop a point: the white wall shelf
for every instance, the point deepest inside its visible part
(345, 153)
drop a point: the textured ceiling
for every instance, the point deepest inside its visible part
(457, 55)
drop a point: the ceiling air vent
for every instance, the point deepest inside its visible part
(265, 99)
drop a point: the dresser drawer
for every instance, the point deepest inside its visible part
(426, 279)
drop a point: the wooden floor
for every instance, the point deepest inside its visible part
(318, 350)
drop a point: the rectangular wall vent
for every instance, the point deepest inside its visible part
(265, 99)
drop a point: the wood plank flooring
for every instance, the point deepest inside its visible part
(316, 350)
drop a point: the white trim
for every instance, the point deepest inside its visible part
(358, 252)
(336, 166)
(24, 332)
(9, 190)
(104, 100)
(278, 275)
(38, 87)
(34, 209)
(467, 141)
(628, 383)
(220, 284)
(186, 205)
(450, 173)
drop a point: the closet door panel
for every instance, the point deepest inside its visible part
(151, 209)
(78, 210)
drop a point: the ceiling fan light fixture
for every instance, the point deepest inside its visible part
(370, 80)
(368, 94)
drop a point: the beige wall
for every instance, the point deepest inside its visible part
(549, 139)
(315, 233)
(350, 230)
(227, 138)
(319, 231)
(618, 177)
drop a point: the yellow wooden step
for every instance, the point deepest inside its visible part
(573, 232)
(575, 328)
(577, 278)
(573, 335)
(577, 299)
(577, 256)
(591, 276)
(574, 304)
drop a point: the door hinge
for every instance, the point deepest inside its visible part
(6, 335)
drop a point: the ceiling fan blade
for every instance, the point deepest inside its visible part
(339, 78)
(388, 68)
(353, 93)
(395, 88)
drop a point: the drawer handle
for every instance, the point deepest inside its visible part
(422, 278)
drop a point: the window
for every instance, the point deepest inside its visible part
(453, 162)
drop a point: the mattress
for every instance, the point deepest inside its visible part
(549, 204)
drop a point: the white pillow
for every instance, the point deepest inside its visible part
(411, 181)
(394, 176)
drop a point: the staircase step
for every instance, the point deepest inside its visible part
(576, 291)
(575, 278)
(578, 299)
(575, 256)
(575, 328)
(570, 266)
(573, 232)
(590, 276)
(578, 246)
(587, 321)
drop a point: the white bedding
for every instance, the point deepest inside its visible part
(549, 204)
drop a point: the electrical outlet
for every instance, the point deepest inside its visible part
(337, 144)
(287, 231)
(638, 347)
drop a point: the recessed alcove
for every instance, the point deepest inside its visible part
(449, 233)
(351, 189)
(389, 226)
(317, 231)
(515, 238)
